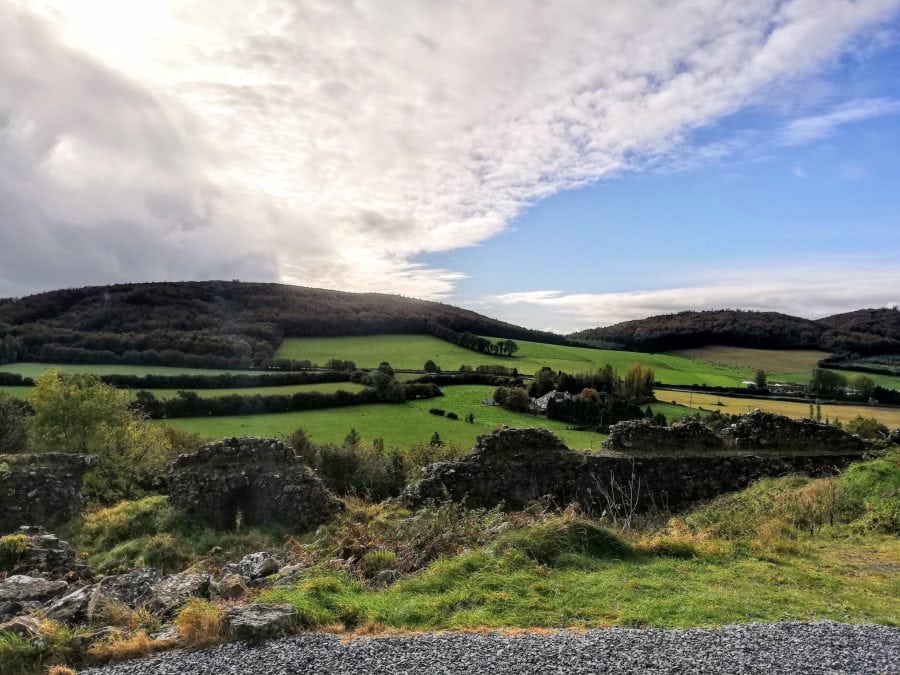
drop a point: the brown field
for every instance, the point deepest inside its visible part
(771, 360)
(734, 406)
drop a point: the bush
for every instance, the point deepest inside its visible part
(13, 430)
(436, 411)
(379, 560)
(452, 416)
(12, 546)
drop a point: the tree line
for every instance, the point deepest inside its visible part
(471, 341)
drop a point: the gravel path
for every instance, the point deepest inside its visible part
(755, 648)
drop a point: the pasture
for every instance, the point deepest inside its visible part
(34, 370)
(321, 387)
(400, 425)
(738, 406)
(412, 351)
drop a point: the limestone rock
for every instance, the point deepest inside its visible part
(231, 587)
(130, 589)
(21, 588)
(254, 480)
(259, 622)
(25, 627)
(71, 608)
(256, 565)
(175, 590)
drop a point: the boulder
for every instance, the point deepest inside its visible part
(21, 588)
(71, 608)
(256, 565)
(130, 589)
(175, 590)
(46, 555)
(25, 627)
(232, 587)
(259, 622)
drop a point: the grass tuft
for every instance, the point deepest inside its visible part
(200, 623)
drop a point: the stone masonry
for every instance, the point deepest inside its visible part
(514, 466)
(256, 480)
(41, 489)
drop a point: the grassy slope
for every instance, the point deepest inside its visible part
(400, 425)
(838, 579)
(323, 387)
(887, 416)
(789, 365)
(411, 351)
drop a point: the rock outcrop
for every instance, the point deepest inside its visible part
(41, 488)
(515, 466)
(252, 480)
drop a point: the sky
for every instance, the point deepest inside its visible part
(561, 165)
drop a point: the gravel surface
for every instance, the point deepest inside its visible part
(755, 648)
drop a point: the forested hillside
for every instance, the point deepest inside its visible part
(214, 323)
(867, 331)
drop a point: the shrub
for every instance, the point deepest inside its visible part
(12, 546)
(452, 416)
(199, 623)
(379, 560)
(871, 493)
(436, 411)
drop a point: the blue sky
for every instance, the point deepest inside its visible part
(560, 165)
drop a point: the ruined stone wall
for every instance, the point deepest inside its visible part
(515, 466)
(259, 480)
(760, 430)
(41, 489)
(641, 436)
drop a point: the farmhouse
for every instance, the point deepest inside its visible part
(787, 389)
(542, 402)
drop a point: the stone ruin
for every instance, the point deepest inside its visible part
(766, 431)
(641, 436)
(512, 467)
(756, 431)
(41, 488)
(253, 481)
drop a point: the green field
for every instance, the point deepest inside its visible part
(411, 352)
(37, 369)
(400, 425)
(320, 387)
(782, 365)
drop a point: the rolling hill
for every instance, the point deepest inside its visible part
(865, 332)
(217, 324)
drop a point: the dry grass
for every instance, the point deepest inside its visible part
(122, 647)
(739, 406)
(200, 623)
(771, 360)
(60, 670)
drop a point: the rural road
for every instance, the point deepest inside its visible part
(771, 649)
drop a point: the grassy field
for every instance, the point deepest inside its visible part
(799, 361)
(787, 365)
(400, 425)
(411, 351)
(322, 387)
(797, 410)
(37, 369)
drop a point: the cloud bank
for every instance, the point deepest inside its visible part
(330, 143)
(811, 292)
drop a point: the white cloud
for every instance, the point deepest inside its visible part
(806, 129)
(331, 143)
(807, 291)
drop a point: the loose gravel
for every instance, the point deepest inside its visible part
(787, 647)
